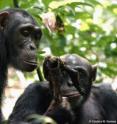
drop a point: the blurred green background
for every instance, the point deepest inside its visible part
(85, 27)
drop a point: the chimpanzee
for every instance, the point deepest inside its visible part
(19, 35)
(69, 96)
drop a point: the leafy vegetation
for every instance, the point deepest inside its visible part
(85, 27)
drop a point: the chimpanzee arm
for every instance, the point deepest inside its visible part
(35, 100)
(62, 112)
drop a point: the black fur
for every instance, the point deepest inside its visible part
(95, 104)
(15, 46)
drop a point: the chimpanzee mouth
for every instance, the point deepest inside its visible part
(33, 63)
(71, 95)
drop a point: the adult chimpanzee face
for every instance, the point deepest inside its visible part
(22, 38)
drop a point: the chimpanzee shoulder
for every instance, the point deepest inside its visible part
(108, 99)
(100, 105)
(35, 99)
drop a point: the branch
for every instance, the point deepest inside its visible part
(39, 74)
(16, 3)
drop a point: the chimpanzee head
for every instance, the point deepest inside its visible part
(73, 74)
(20, 34)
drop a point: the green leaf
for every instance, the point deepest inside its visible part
(46, 2)
(57, 4)
(6, 4)
(112, 8)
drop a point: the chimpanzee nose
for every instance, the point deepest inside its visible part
(32, 46)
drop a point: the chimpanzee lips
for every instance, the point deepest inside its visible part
(31, 62)
(71, 95)
(28, 65)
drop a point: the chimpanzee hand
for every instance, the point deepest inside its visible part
(56, 110)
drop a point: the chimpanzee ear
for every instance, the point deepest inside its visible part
(94, 72)
(3, 18)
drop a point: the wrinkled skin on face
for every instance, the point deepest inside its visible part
(22, 36)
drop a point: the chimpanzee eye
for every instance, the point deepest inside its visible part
(26, 32)
(82, 73)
